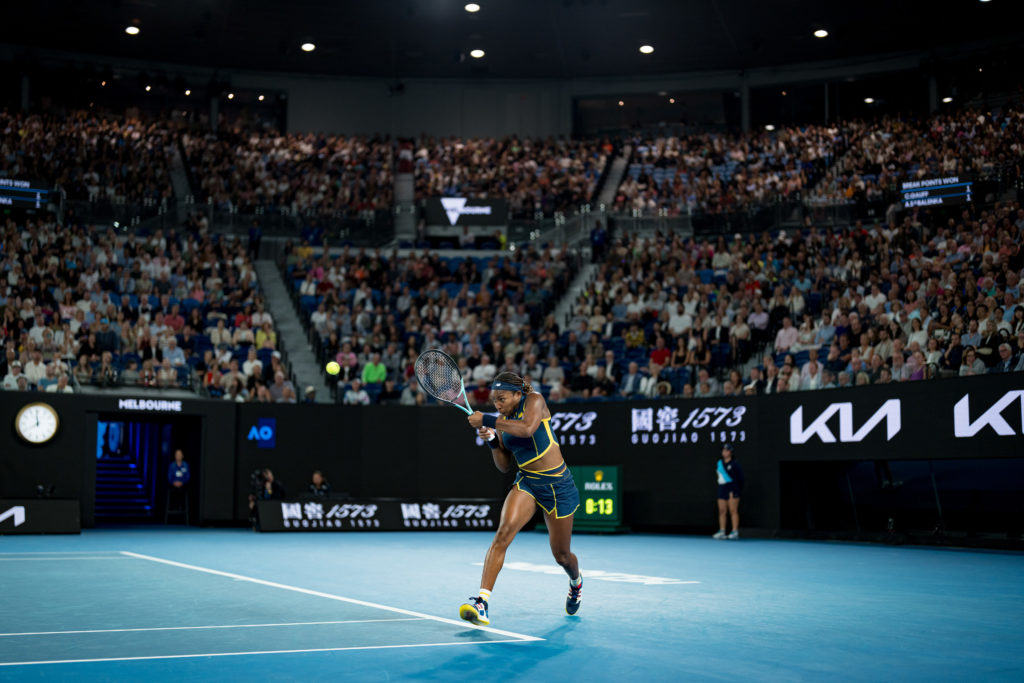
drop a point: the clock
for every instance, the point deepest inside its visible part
(36, 423)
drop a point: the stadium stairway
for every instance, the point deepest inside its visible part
(564, 307)
(291, 333)
(616, 170)
(179, 178)
(405, 208)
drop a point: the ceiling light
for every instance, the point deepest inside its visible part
(103, 84)
(821, 33)
(148, 88)
(308, 47)
(646, 49)
(132, 30)
(869, 100)
(621, 103)
(187, 93)
(472, 7)
(671, 100)
(783, 93)
(979, 69)
(231, 95)
(769, 127)
(947, 100)
(476, 54)
(260, 98)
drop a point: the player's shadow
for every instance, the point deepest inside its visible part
(498, 654)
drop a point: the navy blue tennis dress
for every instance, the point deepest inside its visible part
(553, 489)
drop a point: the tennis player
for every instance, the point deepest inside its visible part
(522, 437)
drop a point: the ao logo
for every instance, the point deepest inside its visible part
(890, 412)
(264, 432)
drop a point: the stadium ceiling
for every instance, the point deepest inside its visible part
(397, 39)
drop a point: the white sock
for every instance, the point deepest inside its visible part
(486, 595)
(577, 581)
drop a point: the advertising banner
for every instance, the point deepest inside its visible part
(33, 516)
(451, 211)
(380, 514)
(974, 417)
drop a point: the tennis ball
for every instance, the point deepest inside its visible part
(333, 368)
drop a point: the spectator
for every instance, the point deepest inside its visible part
(318, 486)
(971, 365)
(62, 386)
(356, 395)
(630, 384)
(167, 376)
(11, 378)
(786, 337)
(174, 355)
(277, 389)
(374, 372)
(1006, 361)
(309, 395)
(35, 370)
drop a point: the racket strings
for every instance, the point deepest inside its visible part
(439, 376)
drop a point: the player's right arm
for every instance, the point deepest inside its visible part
(502, 457)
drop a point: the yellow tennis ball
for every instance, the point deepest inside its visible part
(333, 368)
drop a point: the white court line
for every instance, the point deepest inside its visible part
(59, 559)
(265, 652)
(196, 628)
(61, 552)
(331, 596)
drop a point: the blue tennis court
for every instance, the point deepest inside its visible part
(228, 604)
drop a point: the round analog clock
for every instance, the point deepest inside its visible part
(36, 423)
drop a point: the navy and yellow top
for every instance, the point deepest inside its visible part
(529, 448)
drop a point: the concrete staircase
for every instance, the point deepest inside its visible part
(616, 171)
(564, 307)
(405, 208)
(291, 334)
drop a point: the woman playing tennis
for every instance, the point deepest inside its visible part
(521, 437)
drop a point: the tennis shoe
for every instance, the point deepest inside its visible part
(719, 535)
(572, 603)
(475, 611)
(734, 535)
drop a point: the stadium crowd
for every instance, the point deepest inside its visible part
(87, 306)
(92, 157)
(248, 169)
(374, 313)
(718, 173)
(534, 175)
(888, 151)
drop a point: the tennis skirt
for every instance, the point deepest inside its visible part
(554, 489)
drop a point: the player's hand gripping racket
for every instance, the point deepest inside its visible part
(439, 375)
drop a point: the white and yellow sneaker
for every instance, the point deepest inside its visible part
(475, 611)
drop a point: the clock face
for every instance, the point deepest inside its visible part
(36, 423)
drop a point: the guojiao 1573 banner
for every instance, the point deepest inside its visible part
(654, 425)
(953, 418)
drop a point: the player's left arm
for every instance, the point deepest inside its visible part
(533, 412)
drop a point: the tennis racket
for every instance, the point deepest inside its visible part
(439, 375)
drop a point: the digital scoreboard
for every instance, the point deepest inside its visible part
(600, 498)
(18, 193)
(955, 189)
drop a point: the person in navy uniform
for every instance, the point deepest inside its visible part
(520, 437)
(730, 485)
(178, 473)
